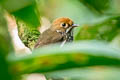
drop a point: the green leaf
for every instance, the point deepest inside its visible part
(15, 5)
(102, 7)
(87, 73)
(105, 29)
(86, 53)
(5, 48)
(28, 15)
(98, 5)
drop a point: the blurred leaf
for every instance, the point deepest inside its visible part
(103, 30)
(5, 48)
(4, 70)
(88, 73)
(98, 5)
(102, 7)
(14, 5)
(86, 53)
(28, 15)
(6, 45)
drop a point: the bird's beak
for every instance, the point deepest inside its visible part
(75, 25)
(71, 27)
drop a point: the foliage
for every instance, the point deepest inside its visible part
(81, 60)
(85, 53)
(107, 30)
(90, 73)
(5, 48)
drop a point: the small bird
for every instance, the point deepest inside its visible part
(60, 31)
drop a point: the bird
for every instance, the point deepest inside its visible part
(60, 31)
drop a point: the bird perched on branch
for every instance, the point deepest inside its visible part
(60, 31)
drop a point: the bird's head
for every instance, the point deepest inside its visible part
(63, 24)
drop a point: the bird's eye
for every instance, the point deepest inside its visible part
(64, 25)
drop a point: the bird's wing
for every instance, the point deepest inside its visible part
(48, 37)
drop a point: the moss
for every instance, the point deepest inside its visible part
(28, 35)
